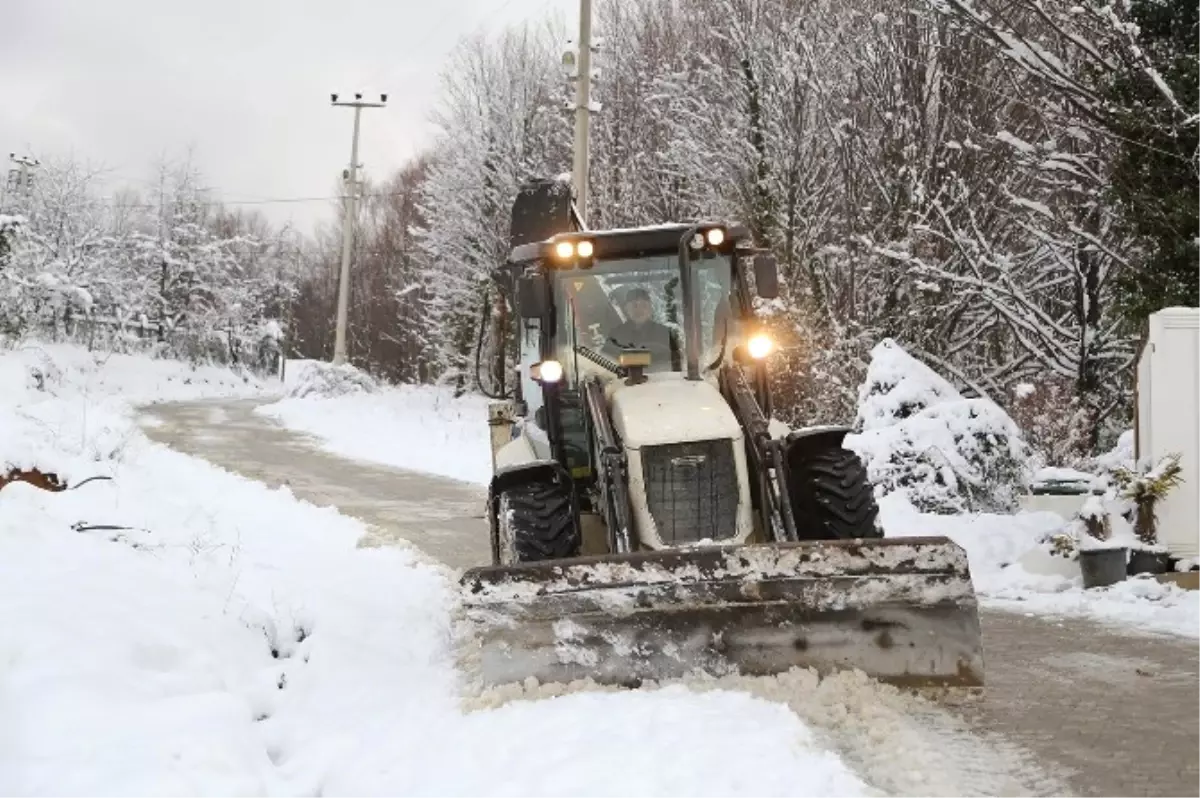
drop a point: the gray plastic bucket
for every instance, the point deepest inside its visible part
(1102, 567)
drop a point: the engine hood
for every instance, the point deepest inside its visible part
(670, 409)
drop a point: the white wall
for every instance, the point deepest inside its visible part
(1169, 419)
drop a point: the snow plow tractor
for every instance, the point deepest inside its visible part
(648, 516)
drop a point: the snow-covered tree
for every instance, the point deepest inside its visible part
(8, 231)
(502, 123)
(196, 280)
(937, 172)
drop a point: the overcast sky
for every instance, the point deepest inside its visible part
(245, 83)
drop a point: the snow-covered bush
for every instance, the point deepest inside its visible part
(326, 380)
(916, 432)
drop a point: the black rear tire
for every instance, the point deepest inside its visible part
(832, 498)
(534, 523)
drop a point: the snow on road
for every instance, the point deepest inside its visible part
(180, 629)
(418, 427)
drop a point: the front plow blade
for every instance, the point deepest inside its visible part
(900, 609)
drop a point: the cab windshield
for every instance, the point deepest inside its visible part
(638, 303)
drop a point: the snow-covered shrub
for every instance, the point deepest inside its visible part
(326, 380)
(1094, 522)
(26, 369)
(916, 432)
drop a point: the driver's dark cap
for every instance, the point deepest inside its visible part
(636, 293)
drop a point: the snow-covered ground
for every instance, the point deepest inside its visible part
(417, 427)
(79, 403)
(998, 544)
(182, 630)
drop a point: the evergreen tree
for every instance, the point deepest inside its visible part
(1155, 175)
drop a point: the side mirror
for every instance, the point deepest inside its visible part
(766, 276)
(533, 301)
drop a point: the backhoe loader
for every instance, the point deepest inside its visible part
(649, 518)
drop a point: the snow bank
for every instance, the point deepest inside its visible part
(65, 409)
(323, 380)
(417, 427)
(915, 431)
(1000, 547)
(201, 633)
(945, 465)
(63, 370)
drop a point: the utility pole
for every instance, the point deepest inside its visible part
(583, 107)
(351, 214)
(20, 177)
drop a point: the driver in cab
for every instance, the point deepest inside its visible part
(641, 331)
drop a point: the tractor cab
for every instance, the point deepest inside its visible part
(679, 291)
(626, 307)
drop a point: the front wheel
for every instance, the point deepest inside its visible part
(534, 523)
(832, 498)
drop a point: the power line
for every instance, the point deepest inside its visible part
(208, 203)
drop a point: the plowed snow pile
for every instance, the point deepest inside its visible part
(179, 629)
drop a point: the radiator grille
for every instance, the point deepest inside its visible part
(691, 490)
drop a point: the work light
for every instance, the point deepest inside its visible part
(760, 345)
(548, 371)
